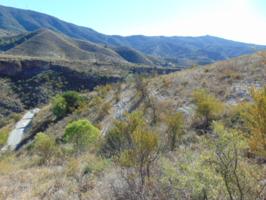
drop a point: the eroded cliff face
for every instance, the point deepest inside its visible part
(14, 67)
(10, 68)
(34, 81)
(29, 83)
(37, 88)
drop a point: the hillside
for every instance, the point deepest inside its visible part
(230, 81)
(89, 116)
(22, 77)
(18, 20)
(52, 167)
(180, 51)
(186, 51)
(45, 43)
(132, 55)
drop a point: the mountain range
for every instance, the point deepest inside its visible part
(19, 26)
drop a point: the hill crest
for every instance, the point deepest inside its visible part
(178, 51)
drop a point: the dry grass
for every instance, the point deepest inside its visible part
(78, 177)
(229, 81)
(88, 176)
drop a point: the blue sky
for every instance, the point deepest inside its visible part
(241, 20)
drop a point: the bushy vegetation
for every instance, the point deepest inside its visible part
(119, 137)
(175, 123)
(66, 103)
(208, 108)
(45, 146)
(153, 151)
(82, 134)
(135, 148)
(4, 132)
(225, 158)
(255, 120)
(141, 155)
(59, 106)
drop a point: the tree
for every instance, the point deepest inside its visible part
(81, 133)
(208, 109)
(175, 123)
(142, 154)
(73, 100)
(149, 100)
(59, 106)
(135, 148)
(119, 137)
(65, 103)
(255, 120)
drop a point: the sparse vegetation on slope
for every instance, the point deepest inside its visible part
(45, 43)
(142, 158)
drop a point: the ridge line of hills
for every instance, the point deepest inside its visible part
(154, 50)
(48, 43)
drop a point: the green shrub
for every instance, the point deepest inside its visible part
(141, 155)
(225, 157)
(4, 132)
(208, 108)
(95, 165)
(175, 123)
(73, 100)
(59, 106)
(66, 103)
(81, 133)
(45, 147)
(120, 136)
(255, 120)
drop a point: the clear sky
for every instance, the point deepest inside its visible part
(241, 20)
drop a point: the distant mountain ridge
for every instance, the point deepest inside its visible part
(45, 43)
(179, 51)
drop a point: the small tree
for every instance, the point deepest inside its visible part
(255, 120)
(175, 123)
(81, 133)
(140, 84)
(59, 106)
(135, 148)
(145, 96)
(73, 100)
(65, 103)
(208, 107)
(143, 153)
(119, 137)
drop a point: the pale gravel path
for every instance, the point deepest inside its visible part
(21, 127)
